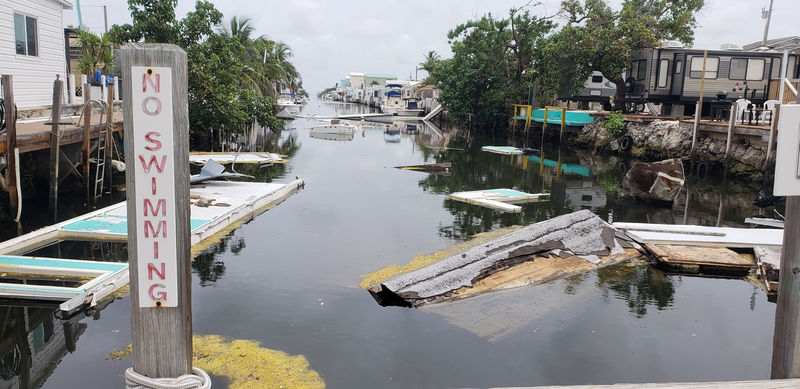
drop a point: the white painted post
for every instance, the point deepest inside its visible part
(84, 83)
(697, 112)
(71, 96)
(103, 88)
(117, 96)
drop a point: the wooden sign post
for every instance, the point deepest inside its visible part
(156, 120)
(786, 339)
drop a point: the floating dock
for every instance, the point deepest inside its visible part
(215, 207)
(500, 199)
(505, 150)
(201, 158)
(689, 235)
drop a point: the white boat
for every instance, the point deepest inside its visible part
(289, 105)
(334, 127)
(334, 137)
(411, 108)
(393, 99)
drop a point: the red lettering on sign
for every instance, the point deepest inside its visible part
(155, 249)
(147, 165)
(149, 205)
(155, 231)
(146, 107)
(152, 269)
(154, 185)
(146, 79)
(162, 296)
(149, 136)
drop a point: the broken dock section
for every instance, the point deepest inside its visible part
(544, 251)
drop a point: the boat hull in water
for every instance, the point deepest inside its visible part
(657, 182)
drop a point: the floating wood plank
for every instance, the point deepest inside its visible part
(769, 261)
(690, 235)
(506, 150)
(432, 168)
(251, 157)
(762, 221)
(550, 249)
(500, 199)
(105, 277)
(714, 257)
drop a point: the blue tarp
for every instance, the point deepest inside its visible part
(393, 93)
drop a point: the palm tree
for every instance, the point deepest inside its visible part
(430, 61)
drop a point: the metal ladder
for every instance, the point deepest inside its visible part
(100, 160)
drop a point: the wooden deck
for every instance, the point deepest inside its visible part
(763, 384)
(33, 136)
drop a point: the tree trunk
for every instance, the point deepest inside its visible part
(619, 98)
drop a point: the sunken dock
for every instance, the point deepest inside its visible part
(216, 208)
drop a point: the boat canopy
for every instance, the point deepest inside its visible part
(393, 93)
(394, 85)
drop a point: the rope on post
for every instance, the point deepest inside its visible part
(198, 380)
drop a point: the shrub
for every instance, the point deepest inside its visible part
(615, 124)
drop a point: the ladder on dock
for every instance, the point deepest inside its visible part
(102, 138)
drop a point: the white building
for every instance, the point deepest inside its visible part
(32, 48)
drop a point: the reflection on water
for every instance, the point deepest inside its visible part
(288, 278)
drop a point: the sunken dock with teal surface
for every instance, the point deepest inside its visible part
(500, 199)
(215, 207)
(573, 118)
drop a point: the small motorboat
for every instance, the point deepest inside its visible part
(656, 182)
(334, 127)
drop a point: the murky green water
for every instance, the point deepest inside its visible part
(289, 278)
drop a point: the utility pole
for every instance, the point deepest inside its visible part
(786, 340)
(766, 26)
(105, 17)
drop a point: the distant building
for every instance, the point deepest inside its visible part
(790, 43)
(32, 48)
(371, 79)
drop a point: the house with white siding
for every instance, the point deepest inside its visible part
(32, 48)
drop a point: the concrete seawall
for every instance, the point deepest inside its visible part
(662, 139)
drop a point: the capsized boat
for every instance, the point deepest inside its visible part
(334, 127)
(656, 182)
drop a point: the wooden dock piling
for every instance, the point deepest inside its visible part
(109, 138)
(58, 87)
(10, 180)
(156, 127)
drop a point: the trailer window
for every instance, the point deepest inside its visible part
(712, 65)
(738, 69)
(663, 67)
(642, 70)
(755, 69)
(597, 79)
(678, 66)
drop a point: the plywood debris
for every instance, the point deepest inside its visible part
(769, 261)
(432, 168)
(499, 199)
(505, 150)
(709, 257)
(546, 250)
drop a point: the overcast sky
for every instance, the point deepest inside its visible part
(330, 39)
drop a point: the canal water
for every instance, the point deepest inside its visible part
(289, 278)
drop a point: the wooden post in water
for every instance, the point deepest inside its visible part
(786, 339)
(87, 141)
(58, 87)
(699, 109)
(11, 142)
(109, 137)
(156, 115)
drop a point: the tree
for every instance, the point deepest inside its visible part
(599, 38)
(96, 53)
(232, 75)
(491, 66)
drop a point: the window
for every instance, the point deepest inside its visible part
(663, 67)
(25, 35)
(712, 65)
(755, 69)
(597, 79)
(747, 69)
(792, 67)
(678, 66)
(776, 68)
(738, 69)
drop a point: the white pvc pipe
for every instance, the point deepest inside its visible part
(19, 185)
